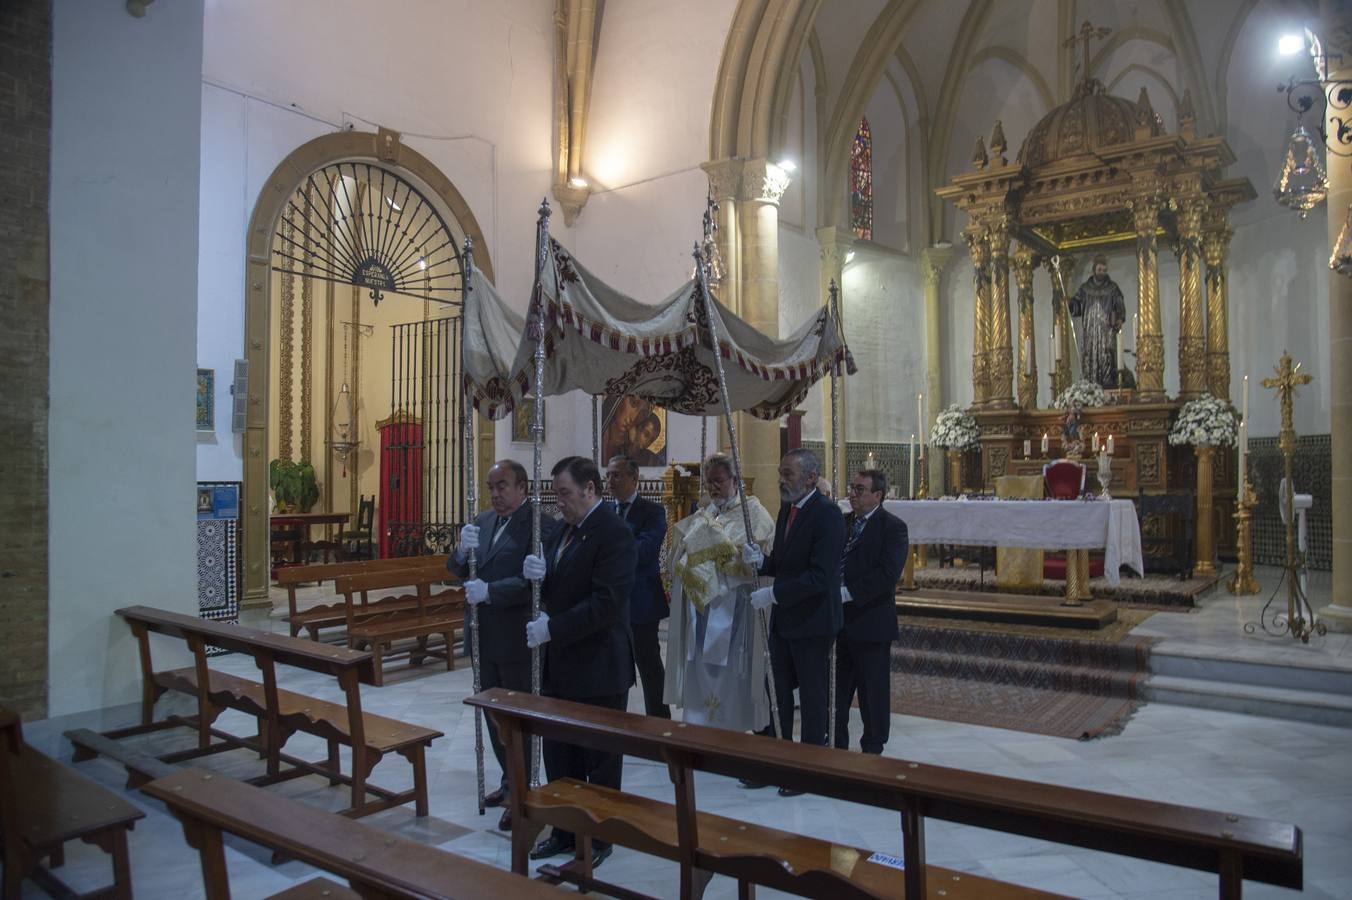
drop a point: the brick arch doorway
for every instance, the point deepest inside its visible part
(385, 150)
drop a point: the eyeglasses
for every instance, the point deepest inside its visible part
(860, 489)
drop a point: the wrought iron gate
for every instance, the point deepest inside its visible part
(422, 453)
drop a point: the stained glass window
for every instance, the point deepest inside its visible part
(861, 182)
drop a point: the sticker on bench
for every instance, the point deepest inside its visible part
(883, 859)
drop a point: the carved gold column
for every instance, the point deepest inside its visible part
(1024, 261)
(933, 262)
(834, 243)
(1150, 336)
(999, 355)
(979, 250)
(1192, 348)
(1216, 248)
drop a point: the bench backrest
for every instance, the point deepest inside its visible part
(1243, 846)
(293, 575)
(372, 859)
(302, 654)
(390, 580)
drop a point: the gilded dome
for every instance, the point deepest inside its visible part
(1091, 120)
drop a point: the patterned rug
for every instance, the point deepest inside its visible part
(1039, 680)
(1162, 592)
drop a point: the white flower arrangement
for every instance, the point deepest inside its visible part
(1205, 422)
(1085, 393)
(955, 429)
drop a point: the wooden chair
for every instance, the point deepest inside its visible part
(279, 713)
(373, 861)
(1167, 532)
(1234, 847)
(1065, 480)
(43, 806)
(358, 543)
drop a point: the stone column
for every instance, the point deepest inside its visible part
(933, 261)
(835, 243)
(999, 355)
(1192, 349)
(979, 251)
(748, 192)
(1336, 31)
(1216, 248)
(1150, 337)
(1024, 263)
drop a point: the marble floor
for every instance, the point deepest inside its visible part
(1289, 771)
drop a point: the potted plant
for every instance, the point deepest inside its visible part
(293, 484)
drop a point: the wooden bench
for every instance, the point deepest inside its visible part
(43, 805)
(376, 863)
(334, 615)
(1235, 847)
(279, 713)
(430, 610)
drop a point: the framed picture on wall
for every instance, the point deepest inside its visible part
(633, 427)
(523, 415)
(206, 399)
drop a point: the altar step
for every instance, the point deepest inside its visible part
(1014, 609)
(1210, 678)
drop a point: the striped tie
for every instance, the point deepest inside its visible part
(856, 529)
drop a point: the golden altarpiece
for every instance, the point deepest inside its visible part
(1098, 173)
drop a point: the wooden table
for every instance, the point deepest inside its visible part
(302, 522)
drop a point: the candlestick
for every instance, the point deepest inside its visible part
(912, 455)
(1046, 443)
(1110, 445)
(1027, 448)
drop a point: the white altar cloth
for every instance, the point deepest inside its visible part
(1110, 526)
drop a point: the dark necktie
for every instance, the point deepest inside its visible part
(856, 529)
(563, 544)
(624, 509)
(498, 529)
(793, 514)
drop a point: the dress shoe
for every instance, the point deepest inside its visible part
(790, 792)
(551, 846)
(751, 785)
(496, 798)
(505, 823)
(601, 854)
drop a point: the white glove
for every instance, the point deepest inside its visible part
(763, 598)
(476, 592)
(537, 630)
(844, 594)
(752, 555)
(469, 540)
(533, 568)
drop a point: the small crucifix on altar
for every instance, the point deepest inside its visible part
(1087, 33)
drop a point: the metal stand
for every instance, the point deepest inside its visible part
(710, 318)
(472, 502)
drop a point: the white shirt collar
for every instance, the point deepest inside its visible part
(866, 516)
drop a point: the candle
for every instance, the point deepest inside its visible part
(1051, 349)
(912, 493)
(1244, 437)
(1135, 330)
(1118, 338)
(1027, 354)
(920, 415)
(1046, 443)
(1110, 445)
(1096, 442)
(1027, 448)
(1056, 340)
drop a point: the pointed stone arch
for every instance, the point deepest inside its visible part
(384, 149)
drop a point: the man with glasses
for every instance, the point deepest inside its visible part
(875, 553)
(715, 651)
(648, 600)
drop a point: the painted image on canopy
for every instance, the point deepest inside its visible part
(633, 427)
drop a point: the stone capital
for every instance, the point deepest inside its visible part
(571, 199)
(754, 180)
(933, 262)
(1025, 262)
(835, 243)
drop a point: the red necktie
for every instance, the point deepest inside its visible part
(793, 514)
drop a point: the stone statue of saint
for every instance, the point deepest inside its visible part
(1099, 304)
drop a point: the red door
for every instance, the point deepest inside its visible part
(400, 488)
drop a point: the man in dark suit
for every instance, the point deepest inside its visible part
(500, 538)
(875, 553)
(587, 573)
(648, 604)
(805, 599)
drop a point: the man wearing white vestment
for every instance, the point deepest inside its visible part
(715, 649)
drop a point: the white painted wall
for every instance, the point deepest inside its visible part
(126, 111)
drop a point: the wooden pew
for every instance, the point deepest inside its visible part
(1234, 847)
(375, 862)
(279, 713)
(43, 805)
(430, 610)
(333, 615)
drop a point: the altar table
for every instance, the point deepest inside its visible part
(302, 522)
(1107, 525)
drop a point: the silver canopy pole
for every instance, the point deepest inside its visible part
(737, 468)
(837, 489)
(472, 499)
(537, 331)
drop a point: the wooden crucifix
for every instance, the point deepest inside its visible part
(1087, 33)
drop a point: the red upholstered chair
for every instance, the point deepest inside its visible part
(1064, 480)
